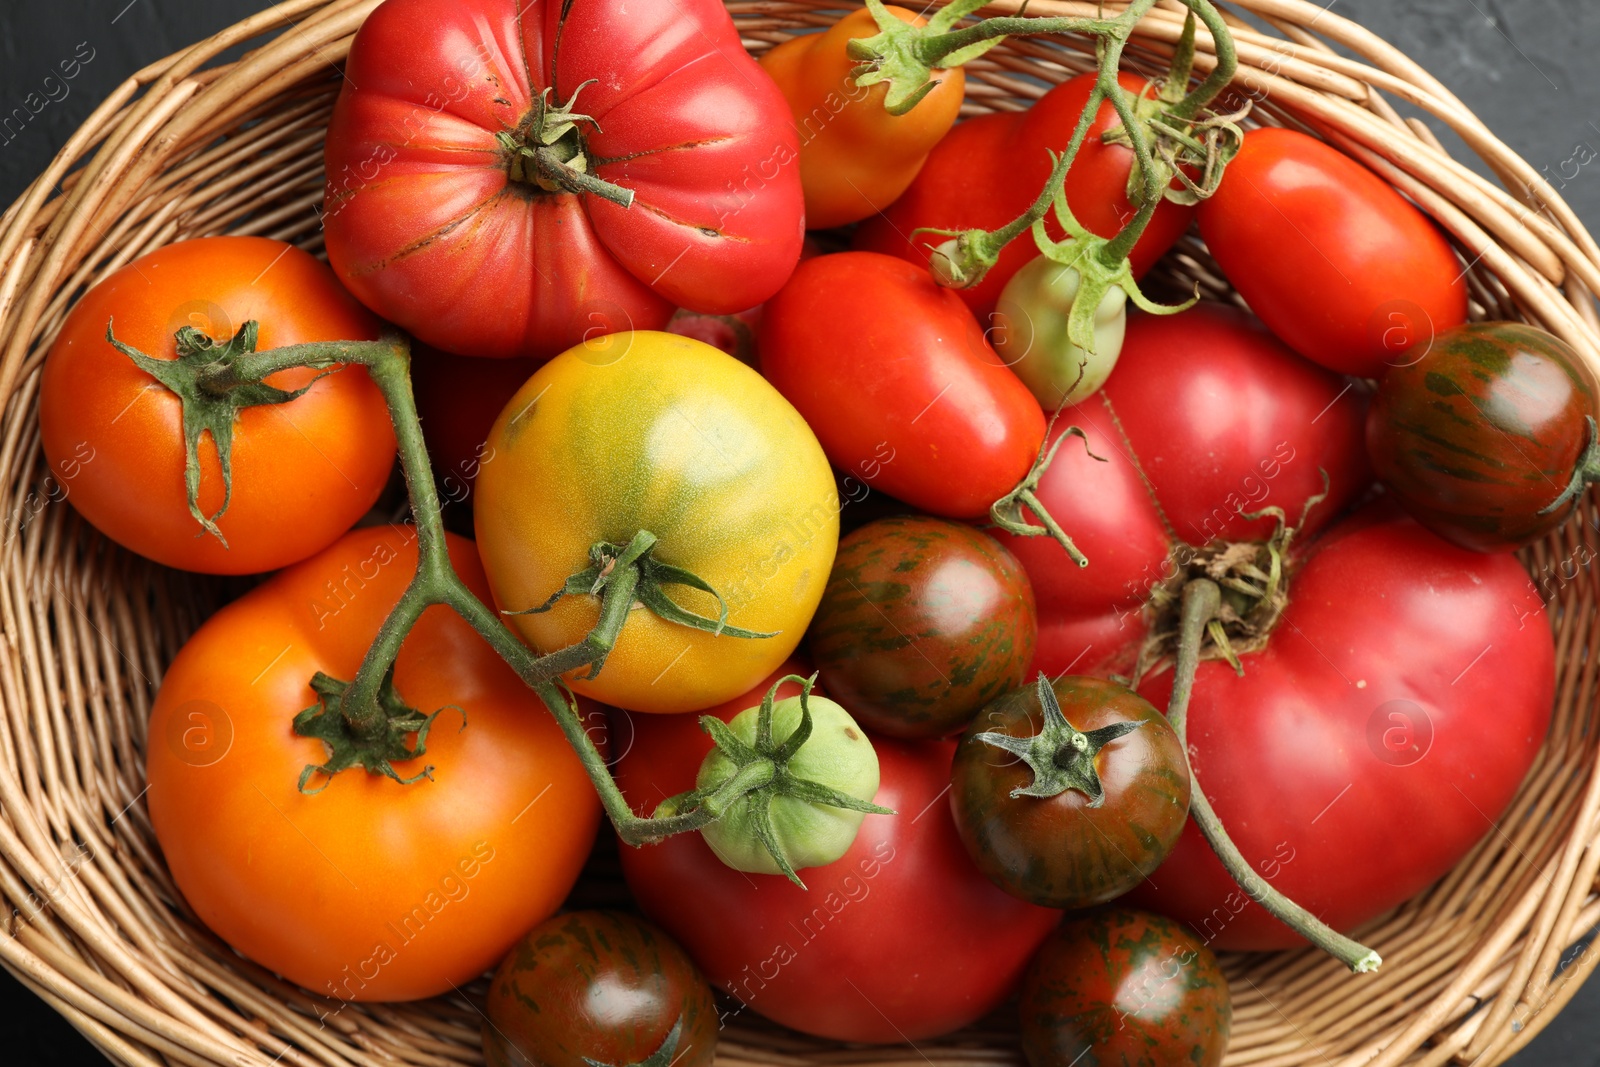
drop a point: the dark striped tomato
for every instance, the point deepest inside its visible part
(923, 622)
(596, 987)
(1137, 988)
(1071, 850)
(1480, 434)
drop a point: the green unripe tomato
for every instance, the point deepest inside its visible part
(837, 755)
(1033, 340)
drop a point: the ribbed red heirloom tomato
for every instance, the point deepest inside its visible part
(899, 940)
(988, 169)
(468, 147)
(1335, 261)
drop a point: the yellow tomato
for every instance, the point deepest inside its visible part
(652, 431)
(855, 157)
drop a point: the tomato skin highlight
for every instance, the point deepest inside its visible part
(868, 953)
(303, 472)
(1305, 759)
(1480, 433)
(1139, 989)
(1066, 851)
(989, 169)
(1336, 262)
(598, 987)
(899, 383)
(653, 431)
(923, 621)
(368, 890)
(855, 157)
(427, 226)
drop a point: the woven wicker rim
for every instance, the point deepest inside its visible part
(97, 928)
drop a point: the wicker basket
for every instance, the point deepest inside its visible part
(85, 628)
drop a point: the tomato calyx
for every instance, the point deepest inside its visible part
(1060, 755)
(622, 575)
(1202, 599)
(375, 750)
(211, 401)
(1253, 583)
(754, 773)
(1586, 472)
(904, 57)
(547, 150)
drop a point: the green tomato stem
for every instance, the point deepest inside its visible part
(1115, 251)
(1201, 601)
(970, 254)
(1227, 62)
(934, 51)
(388, 363)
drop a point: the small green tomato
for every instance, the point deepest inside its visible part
(1032, 336)
(793, 815)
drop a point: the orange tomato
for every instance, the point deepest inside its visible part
(855, 157)
(303, 472)
(368, 890)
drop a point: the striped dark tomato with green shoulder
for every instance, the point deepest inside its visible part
(1487, 435)
(1069, 793)
(1139, 989)
(922, 622)
(591, 988)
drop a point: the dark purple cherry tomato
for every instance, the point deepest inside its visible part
(598, 988)
(1487, 435)
(1128, 988)
(922, 623)
(1070, 793)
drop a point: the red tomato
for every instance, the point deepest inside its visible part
(1377, 738)
(303, 472)
(436, 219)
(1206, 416)
(1333, 259)
(458, 398)
(901, 939)
(898, 382)
(989, 169)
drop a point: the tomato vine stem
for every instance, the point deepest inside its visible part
(367, 705)
(1202, 599)
(967, 257)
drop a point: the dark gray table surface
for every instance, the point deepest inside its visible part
(1527, 67)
